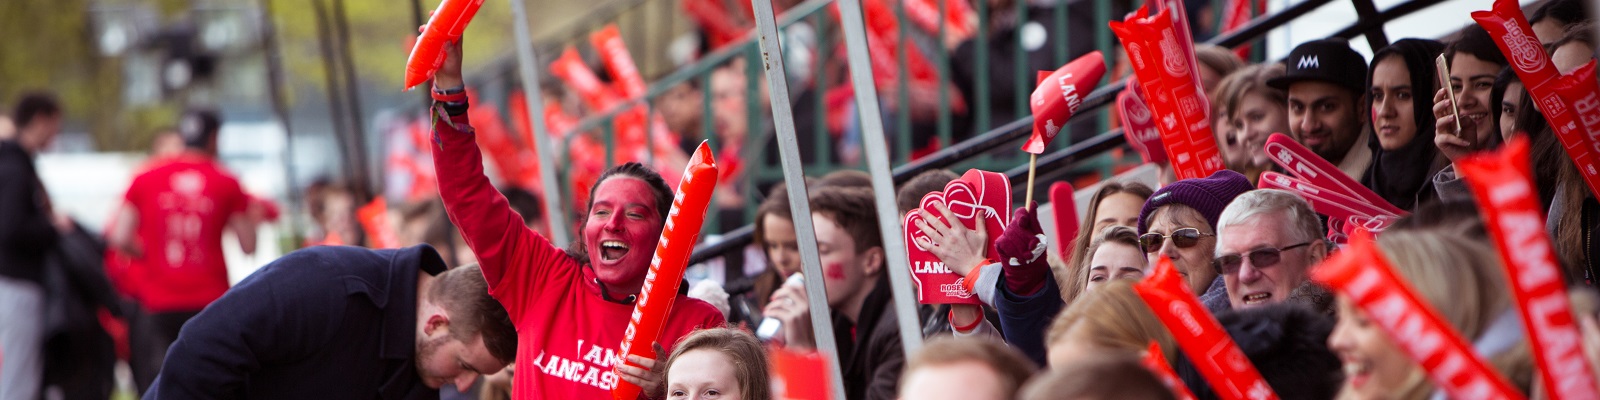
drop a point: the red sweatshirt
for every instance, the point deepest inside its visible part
(567, 335)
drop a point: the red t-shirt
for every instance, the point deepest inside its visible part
(567, 335)
(183, 206)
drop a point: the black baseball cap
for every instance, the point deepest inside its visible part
(1326, 60)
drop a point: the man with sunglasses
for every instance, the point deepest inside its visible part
(1179, 222)
(1266, 245)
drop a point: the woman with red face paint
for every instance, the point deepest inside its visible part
(571, 308)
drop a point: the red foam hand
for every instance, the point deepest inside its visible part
(1200, 336)
(666, 268)
(1503, 184)
(1364, 275)
(799, 376)
(1139, 125)
(1512, 33)
(614, 53)
(977, 197)
(1306, 165)
(1058, 96)
(1154, 361)
(446, 25)
(935, 282)
(375, 221)
(1065, 208)
(1166, 73)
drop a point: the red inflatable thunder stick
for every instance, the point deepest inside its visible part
(666, 269)
(1511, 32)
(1350, 205)
(1503, 184)
(1154, 361)
(1364, 275)
(1165, 70)
(1066, 210)
(445, 26)
(1200, 336)
(1058, 96)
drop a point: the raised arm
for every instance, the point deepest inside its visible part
(506, 249)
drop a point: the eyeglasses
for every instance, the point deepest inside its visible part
(1261, 258)
(1183, 238)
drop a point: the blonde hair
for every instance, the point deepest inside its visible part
(1113, 317)
(1251, 79)
(1011, 367)
(1067, 280)
(1464, 282)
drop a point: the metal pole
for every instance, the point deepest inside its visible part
(280, 109)
(530, 89)
(894, 247)
(362, 179)
(795, 181)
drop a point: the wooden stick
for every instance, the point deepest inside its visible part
(1033, 163)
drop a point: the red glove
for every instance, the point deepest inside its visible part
(1021, 249)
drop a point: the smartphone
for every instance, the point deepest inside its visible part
(1444, 82)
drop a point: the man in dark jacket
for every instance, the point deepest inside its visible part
(27, 234)
(864, 321)
(342, 323)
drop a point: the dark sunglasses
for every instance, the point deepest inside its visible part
(1183, 238)
(1261, 258)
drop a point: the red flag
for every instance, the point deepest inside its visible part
(1364, 275)
(1059, 95)
(1200, 336)
(682, 230)
(1503, 183)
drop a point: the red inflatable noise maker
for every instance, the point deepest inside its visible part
(1058, 96)
(445, 26)
(1220, 361)
(660, 288)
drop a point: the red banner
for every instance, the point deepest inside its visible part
(1058, 96)
(1511, 32)
(1364, 275)
(1200, 336)
(666, 268)
(1503, 183)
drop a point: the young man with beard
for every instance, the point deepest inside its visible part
(1325, 81)
(570, 308)
(859, 298)
(337, 322)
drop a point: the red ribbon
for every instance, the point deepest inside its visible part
(1503, 184)
(1200, 336)
(1364, 275)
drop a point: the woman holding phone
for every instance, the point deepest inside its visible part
(1404, 155)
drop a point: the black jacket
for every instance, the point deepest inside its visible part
(26, 234)
(870, 353)
(320, 323)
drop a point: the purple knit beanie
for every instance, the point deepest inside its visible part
(1209, 196)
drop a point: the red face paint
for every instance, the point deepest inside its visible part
(1200, 336)
(1503, 184)
(623, 211)
(671, 257)
(1364, 275)
(833, 271)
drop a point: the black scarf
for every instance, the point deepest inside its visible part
(1403, 176)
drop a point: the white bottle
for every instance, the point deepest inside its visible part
(770, 326)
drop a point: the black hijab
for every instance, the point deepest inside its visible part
(1403, 176)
